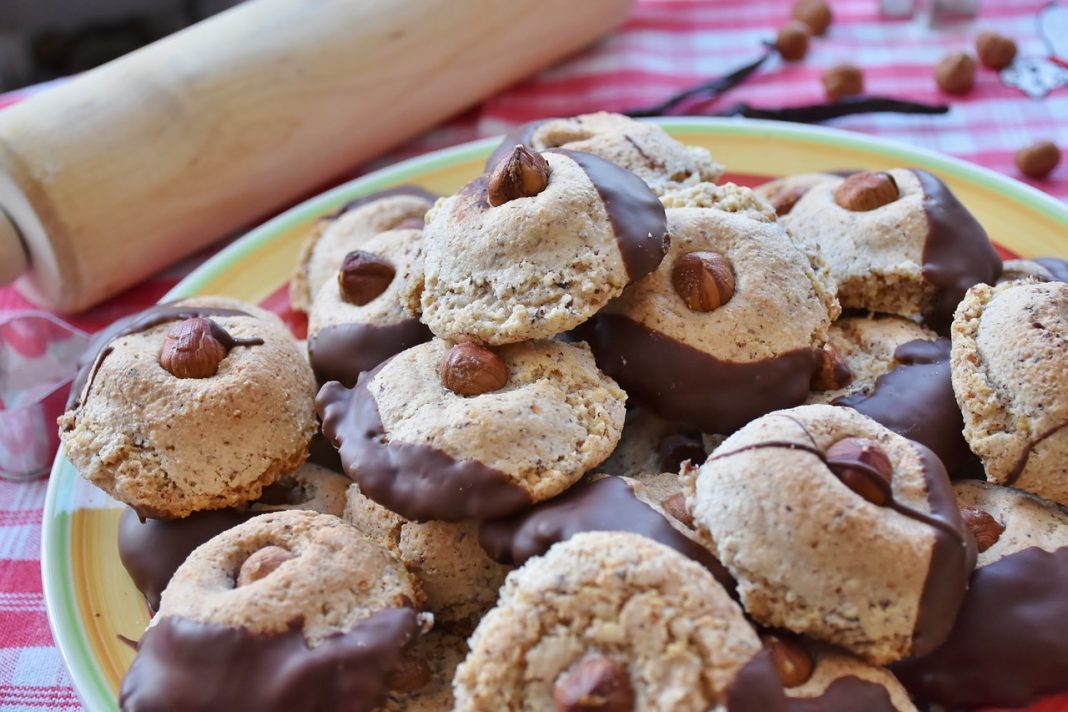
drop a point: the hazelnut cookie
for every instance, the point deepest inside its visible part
(537, 246)
(465, 432)
(1010, 376)
(187, 408)
(837, 528)
(294, 591)
(783, 193)
(1009, 644)
(730, 325)
(642, 148)
(362, 317)
(622, 619)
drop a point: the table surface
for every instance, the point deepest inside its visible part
(665, 46)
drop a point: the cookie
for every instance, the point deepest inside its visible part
(1009, 645)
(1010, 376)
(1044, 269)
(837, 528)
(295, 591)
(897, 242)
(642, 148)
(151, 550)
(899, 376)
(460, 581)
(336, 235)
(427, 674)
(361, 317)
(502, 267)
(425, 451)
(650, 444)
(191, 408)
(783, 193)
(729, 327)
(610, 504)
(617, 616)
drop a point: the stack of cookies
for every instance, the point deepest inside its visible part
(609, 436)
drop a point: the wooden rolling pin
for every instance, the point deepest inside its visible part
(133, 165)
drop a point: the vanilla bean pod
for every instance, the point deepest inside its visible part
(816, 113)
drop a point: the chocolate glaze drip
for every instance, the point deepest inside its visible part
(344, 351)
(957, 253)
(418, 482)
(846, 694)
(153, 549)
(637, 215)
(520, 135)
(1021, 464)
(412, 190)
(681, 383)
(1009, 646)
(953, 554)
(1056, 266)
(915, 399)
(188, 665)
(608, 504)
(757, 687)
(100, 346)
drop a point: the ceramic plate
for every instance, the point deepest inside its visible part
(91, 601)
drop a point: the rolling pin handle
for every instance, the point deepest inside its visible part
(13, 260)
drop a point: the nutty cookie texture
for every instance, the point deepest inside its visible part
(295, 591)
(1009, 644)
(1010, 376)
(896, 241)
(642, 148)
(421, 448)
(537, 247)
(730, 325)
(651, 444)
(347, 229)
(362, 317)
(187, 408)
(837, 528)
(619, 617)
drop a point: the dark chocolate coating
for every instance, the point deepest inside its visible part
(190, 666)
(757, 687)
(1009, 646)
(418, 482)
(957, 253)
(681, 383)
(608, 504)
(915, 399)
(344, 351)
(846, 694)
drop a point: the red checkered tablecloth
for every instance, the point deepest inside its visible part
(664, 47)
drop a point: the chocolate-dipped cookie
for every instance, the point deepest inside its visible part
(643, 148)
(289, 611)
(837, 528)
(1010, 376)
(362, 316)
(731, 324)
(537, 246)
(463, 432)
(345, 230)
(1009, 644)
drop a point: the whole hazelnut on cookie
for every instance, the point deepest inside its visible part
(843, 80)
(470, 370)
(191, 349)
(865, 191)
(363, 276)
(955, 73)
(1039, 159)
(521, 174)
(995, 51)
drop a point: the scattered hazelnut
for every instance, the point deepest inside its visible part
(469, 370)
(986, 529)
(790, 658)
(792, 40)
(995, 50)
(866, 191)
(599, 684)
(675, 505)
(522, 173)
(704, 280)
(814, 13)
(261, 563)
(863, 467)
(678, 448)
(192, 349)
(843, 80)
(411, 674)
(955, 73)
(363, 276)
(1039, 159)
(784, 200)
(832, 372)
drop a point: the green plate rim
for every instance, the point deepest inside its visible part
(67, 629)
